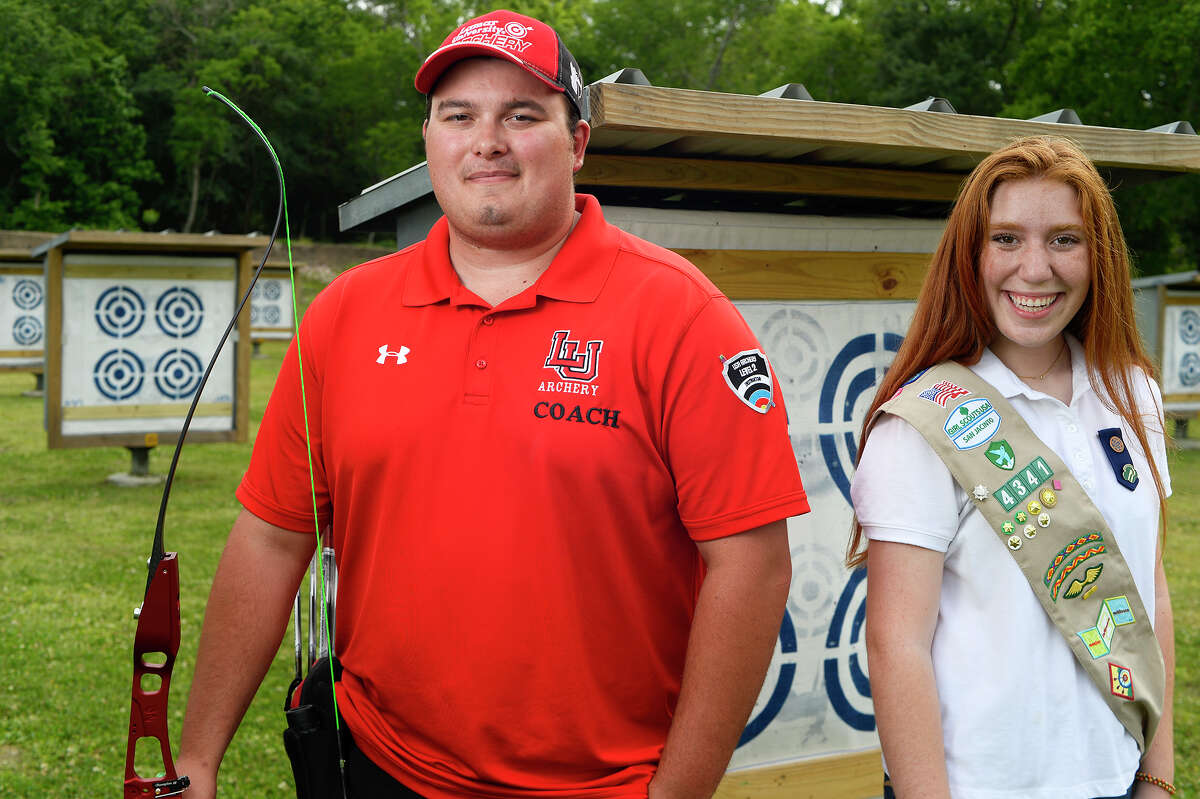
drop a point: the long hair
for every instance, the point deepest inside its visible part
(952, 321)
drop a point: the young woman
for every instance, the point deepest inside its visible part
(977, 693)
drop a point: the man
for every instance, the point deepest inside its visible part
(556, 471)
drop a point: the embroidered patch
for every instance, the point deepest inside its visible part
(1121, 612)
(748, 376)
(1122, 681)
(1062, 554)
(941, 392)
(1000, 453)
(1022, 484)
(1090, 575)
(908, 383)
(574, 359)
(1118, 457)
(1094, 643)
(972, 423)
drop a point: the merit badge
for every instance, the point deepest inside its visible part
(1043, 519)
(943, 391)
(972, 424)
(1095, 644)
(1122, 681)
(1121, 612)
(1090, 575)
(1048, 497)
(1030, 531)
(980, 492)
(1001, 455)
(1021, 517)
(1014, 542)
(1034, 508)
(1080, 550)
(1118, 457)
(748, 376)
(1008, 528)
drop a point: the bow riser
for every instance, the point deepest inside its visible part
(157, 638)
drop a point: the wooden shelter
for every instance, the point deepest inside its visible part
(132, 320)
(818, 219)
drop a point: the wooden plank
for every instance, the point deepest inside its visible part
(148, 272)
(11, 269)
(162, 410)
(1181, 397)
(856, 776)
(789, 275)
(22, 354)
(166, 438)
(655, 110)
(155, 242)
(1168, 299)
(54, 369)
(778, 178)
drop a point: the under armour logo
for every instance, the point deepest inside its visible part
(566, 358)
(385, 353)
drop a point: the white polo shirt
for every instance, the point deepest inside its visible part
(1020, 718)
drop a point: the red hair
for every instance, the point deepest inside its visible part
(952, 322)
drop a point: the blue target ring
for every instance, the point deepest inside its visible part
(27, 330)
(179, 312)
(1189, 369)
(119, 374)
(842, 636)
(1189, 327)
(120, 311)
(27, 294)
(178, 373)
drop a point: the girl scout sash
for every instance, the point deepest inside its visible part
(1054, 532)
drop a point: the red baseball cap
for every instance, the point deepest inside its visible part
(528, 43)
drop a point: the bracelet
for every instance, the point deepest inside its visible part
(1150, 778)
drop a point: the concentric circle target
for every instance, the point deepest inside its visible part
(255, 313)
(1189, 370)
(27, 294)
(178, 373)
(120, 311)
(119, 374)
(272, 289)
(271, 315)
(27, 330)
(179, 312)
(1189, 327)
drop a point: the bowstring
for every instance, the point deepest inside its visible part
(312, 482)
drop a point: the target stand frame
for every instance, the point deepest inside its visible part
(153, 330)
(22, 320)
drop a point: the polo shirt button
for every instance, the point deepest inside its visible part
(481, 364)
(1072, 428)
(487, 320)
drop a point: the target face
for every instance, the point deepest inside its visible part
(271, 290)
(271, 307)
(178, 373)
(179, 312)
(271, 315)
(120, 311)
(27, 294)
(27, 330)
(1189, 327)
(1189, 370)
(1180, 349)
(119, 374)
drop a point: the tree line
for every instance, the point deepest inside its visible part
(105, 125)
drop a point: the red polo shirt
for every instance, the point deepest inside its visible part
(514, 493)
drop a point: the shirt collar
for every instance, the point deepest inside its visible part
(993, 370)
(577, 273)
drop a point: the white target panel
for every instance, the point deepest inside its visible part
(1181, 350)
(22, 314)
(137, 333)
(829, 358)
(271, 306)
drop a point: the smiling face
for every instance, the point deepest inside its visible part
(1034, 269)
(501, 157)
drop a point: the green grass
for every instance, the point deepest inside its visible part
(72, 568)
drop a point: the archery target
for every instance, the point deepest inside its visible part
(119, 374)
(178, 373)
(179, 312)
(27, 331)
(271, 307)
(169, 313)
(120, 311)
(1181, 349)
(27, 294)
(829, 358)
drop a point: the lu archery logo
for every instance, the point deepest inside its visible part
(572, 362)
(749, 377)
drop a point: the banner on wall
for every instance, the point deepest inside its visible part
(829, 358)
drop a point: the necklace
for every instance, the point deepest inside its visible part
(1042, 376)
